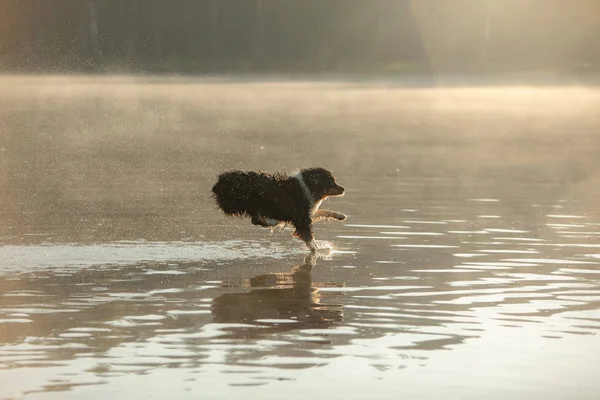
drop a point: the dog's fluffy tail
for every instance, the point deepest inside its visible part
(226, 191)
(238, 193)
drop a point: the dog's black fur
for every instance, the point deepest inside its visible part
(279, 199)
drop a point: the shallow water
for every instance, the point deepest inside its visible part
(468, 266)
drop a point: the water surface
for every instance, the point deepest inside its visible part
(468, 266)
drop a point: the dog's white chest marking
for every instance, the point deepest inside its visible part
(315, 207)
(312, 206)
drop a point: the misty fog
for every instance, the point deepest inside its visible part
(464, 132)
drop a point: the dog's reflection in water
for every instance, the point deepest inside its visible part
(280, 302)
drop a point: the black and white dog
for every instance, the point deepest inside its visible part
(279, 199)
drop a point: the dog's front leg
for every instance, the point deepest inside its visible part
(327, 214)
(304, 232)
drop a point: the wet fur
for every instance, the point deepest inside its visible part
(278, 199)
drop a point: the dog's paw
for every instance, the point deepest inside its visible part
(341, 217)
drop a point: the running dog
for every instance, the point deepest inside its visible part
(272, 200)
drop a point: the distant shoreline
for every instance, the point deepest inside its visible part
(417, 80)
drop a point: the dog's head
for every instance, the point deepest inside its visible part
(321, 183)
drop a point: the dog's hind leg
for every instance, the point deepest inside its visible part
(320, 215)
(264, 222)
(258, 220)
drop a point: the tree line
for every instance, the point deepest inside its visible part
(298, 35)
(196, 35)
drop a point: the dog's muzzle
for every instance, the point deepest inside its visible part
(336, 191)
